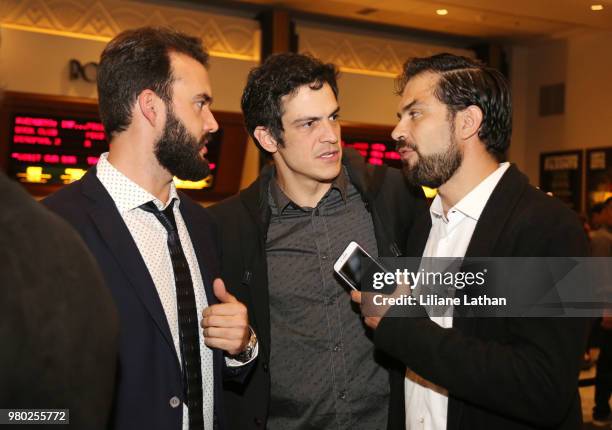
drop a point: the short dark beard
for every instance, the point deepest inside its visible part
(178, 150)
(436, 169)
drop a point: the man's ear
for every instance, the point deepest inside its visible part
(470, 120)
(149, 106)
(265, 139)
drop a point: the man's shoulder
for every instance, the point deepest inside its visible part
(229, 204)
(25, 217)
(68, 196)
(548, 210)
(231, 209)
(21, 208)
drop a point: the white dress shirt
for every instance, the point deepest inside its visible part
(450, 235)
(151, 239)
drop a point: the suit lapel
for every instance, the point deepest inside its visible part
(118, 238)
(496, 213)
(419, 233)
(254, 198)
(486, 236)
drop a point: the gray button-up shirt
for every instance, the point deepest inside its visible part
(322, 366)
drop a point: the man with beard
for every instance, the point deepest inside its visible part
(318, 368)
(472, 373)
(155, 246)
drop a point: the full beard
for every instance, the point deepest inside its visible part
(178, 151)
(433, 170)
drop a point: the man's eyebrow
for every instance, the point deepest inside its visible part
(313, 118)
(205, 97)
(407, 108)
(305, 119)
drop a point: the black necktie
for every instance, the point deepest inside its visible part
(187, 316)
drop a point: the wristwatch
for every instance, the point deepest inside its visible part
(247, 354)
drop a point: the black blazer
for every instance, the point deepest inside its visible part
(149, 373)
(501, 373)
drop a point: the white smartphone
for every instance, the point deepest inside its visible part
(355, 265)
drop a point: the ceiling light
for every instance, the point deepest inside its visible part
(443, 12)
(596, 7)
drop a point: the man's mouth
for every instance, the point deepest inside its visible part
(406, 150)
(328, 155)
(204, 141)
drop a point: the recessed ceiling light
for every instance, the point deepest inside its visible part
(596, 7)
(443, 12)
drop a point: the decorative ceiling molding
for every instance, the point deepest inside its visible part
(366, 55)
(223, 36)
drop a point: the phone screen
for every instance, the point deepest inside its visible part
(359, 267)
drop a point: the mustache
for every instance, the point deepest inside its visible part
(399, 144)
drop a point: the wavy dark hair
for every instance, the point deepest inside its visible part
(466, 82)
(278, 76)
(136, 60)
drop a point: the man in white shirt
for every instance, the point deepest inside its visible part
(155, 246)
(474, 373)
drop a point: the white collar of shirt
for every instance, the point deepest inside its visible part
(474, 202)
(127, 194)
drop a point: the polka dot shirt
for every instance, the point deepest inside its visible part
(150, 237)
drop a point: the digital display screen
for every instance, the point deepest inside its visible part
(55, 150)
(376, 152)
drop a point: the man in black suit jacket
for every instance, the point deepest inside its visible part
(59, 326)
(473, 373)
(156, 247)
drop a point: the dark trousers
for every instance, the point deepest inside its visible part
(603, 378)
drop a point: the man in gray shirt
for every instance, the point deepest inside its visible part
(280, 237)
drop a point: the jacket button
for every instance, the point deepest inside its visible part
(266, 367)
(175, 402)
(258, 422)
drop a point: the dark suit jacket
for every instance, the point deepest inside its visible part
(501, 373)
(58, 324)
(149, 373)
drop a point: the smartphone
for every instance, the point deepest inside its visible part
(356, 265)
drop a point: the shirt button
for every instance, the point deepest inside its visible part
(342, 395)
(323, 256)
(266, 367)
(337, 347)
(421, 420)
(175, 402)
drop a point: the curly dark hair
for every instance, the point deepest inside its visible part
(136, 60)
(278, 76)
(466, 82)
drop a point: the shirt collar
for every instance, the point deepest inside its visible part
(473, 203)
(127, 194)
(281, 201)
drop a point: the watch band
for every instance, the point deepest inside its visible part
(247, 354)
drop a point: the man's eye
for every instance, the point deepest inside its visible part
(334, 117)
(414, 114)
(308, 124)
